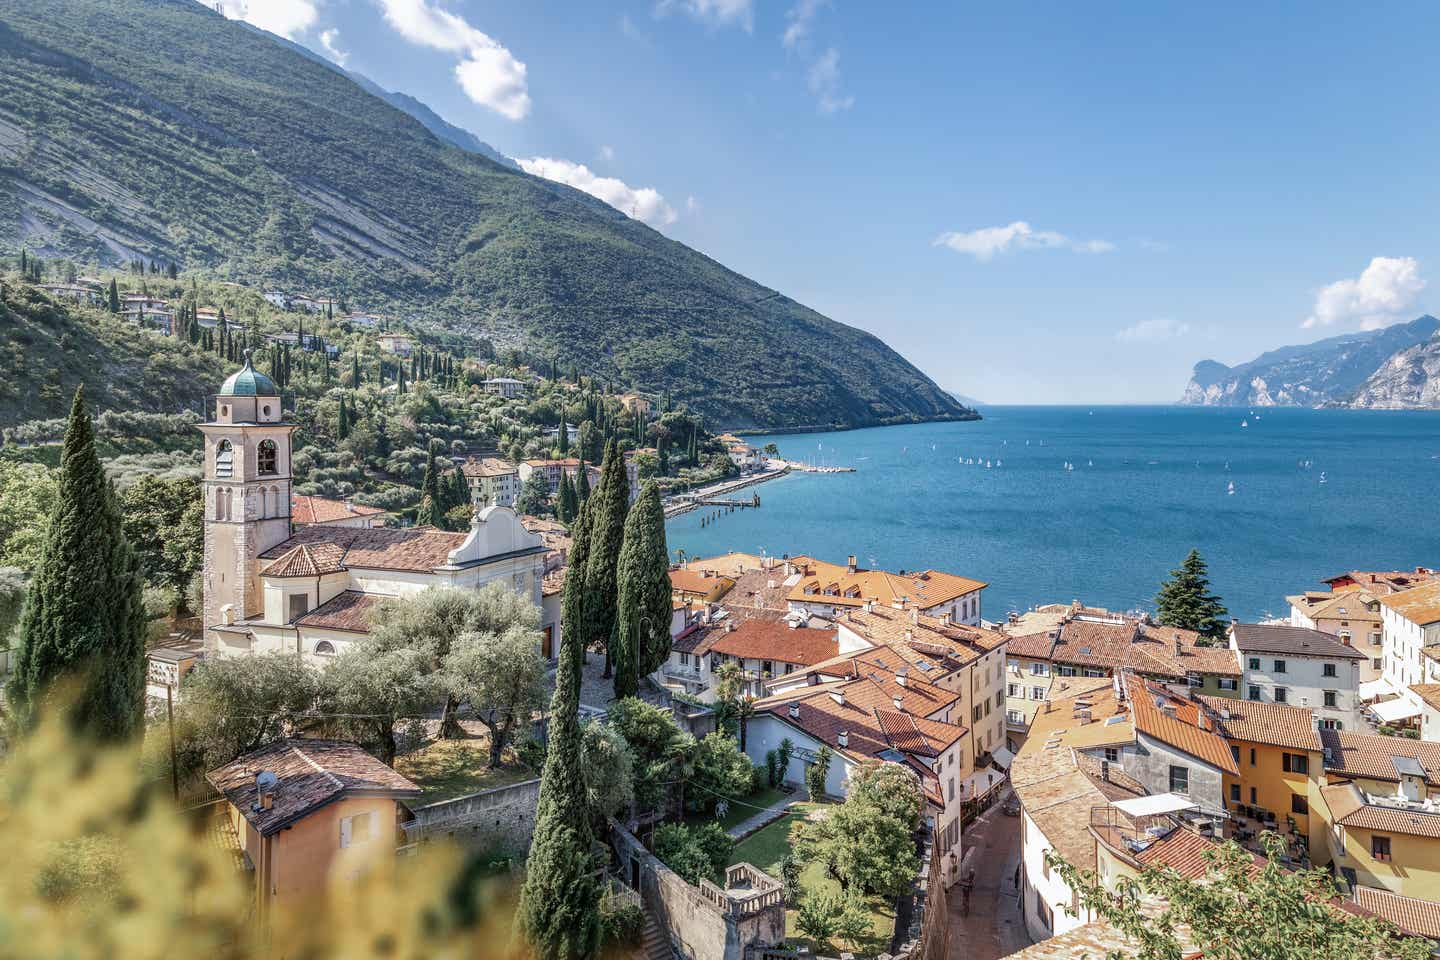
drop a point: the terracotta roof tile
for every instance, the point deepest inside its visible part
(1180, 723)
(699, 581)
(1382, 582)
(1349, 808)
(307, 560)
(1369, 756)
(830, 583)
(776, 640)
(380, 548)
(349, 611)
(306, 510)
(1419, 918)
(1418, 605)
(311, 774)
(487, 467)
(1429, 692)
(1272, 723)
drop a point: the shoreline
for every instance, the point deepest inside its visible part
(675, 506)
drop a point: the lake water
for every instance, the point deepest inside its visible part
(1148, 484)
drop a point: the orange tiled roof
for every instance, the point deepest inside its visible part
(1420, 918)
(1382, 581)
(349, 610)
(1276, 724)
(776, 640)
(305, 509)
(1184, 852)
(1429, 692)
(487, 467)
(939, 637)
(1349, 808)
(307, 560)
(1180, 723)
(1418, 605)
(830, 583)
(698, 581)
(1369, 756)
(311, 774)
(379, 548)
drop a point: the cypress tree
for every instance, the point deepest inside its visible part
(582, 486)
(83, 615)
(1185, 600)
(564, 439)
(24, 263)
(664, 458)
(113, 300)
(459, 489)
(642, 628)
(400, 383)
(342, 429)
(610, 503)
(355, 369)
(432, 507)
(565, 499)
(558, 915)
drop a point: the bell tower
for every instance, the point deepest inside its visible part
(247, 494)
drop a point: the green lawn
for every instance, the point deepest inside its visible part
(766, 848)
(446, 769)
(743, 810)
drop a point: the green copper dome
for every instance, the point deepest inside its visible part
(249, 382)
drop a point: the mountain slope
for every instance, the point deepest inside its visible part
(158, 129)
(1409, 380)
(1308, 375)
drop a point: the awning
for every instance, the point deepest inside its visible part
(1401, 708)
(978, 785)
(1002, 757)
(1379, 687)
(1156, 805)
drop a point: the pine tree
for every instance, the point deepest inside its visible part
(610, 503)
(342, 429)
(432, 507)
(83, 615)
(642, 629)
(1185, 600)
(558, 915)
(113, 300)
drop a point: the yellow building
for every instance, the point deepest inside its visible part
(310, 814)
(1281, 765)
(1390, 842)
(702, 585)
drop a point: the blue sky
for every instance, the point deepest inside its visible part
(1032, 202)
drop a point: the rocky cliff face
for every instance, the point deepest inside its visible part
(1409, 380)
(1309, 375)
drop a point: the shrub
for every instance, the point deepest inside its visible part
(818, 915)
(622, 925)
(772, 764)
(695, 853)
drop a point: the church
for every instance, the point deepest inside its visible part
(270, 586)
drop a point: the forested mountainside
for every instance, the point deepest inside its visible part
(159, 130)
(1328, 372)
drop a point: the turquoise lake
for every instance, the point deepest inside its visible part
(1147, 484)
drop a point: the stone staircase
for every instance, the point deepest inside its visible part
(654, 944)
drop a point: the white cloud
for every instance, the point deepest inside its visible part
(1382, 294)
(607, 152)
(642, 203)
(802, 18)
(823, 79)
(692, 206)
(984, 244)
(489, 74)
(330, 40)
(286, 18)
(716, 13)
(1153, 331)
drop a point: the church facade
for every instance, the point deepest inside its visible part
(270, 587)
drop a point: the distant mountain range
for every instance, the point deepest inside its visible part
(1393, 367)
(159, 130)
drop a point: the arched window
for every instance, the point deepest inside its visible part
(325, 649)
(267, 458)
(224, 459)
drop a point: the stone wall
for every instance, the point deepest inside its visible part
(502, 819)
(705, 922)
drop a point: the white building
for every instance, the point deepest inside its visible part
(396, 343)
(277, 299)
(493, 482)
(313, 592)
(1301, 667)
(507, 387)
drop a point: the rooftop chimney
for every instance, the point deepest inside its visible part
(265, 783)
(902, 676)
(838, 696)
(843, 738)
(1105, 770)
(914, 614)
(794, 711)
(1179, 647)
(850, 564)
(899, 703)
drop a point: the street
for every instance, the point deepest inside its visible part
(992, 928)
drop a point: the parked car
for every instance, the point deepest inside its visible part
(1011, 807)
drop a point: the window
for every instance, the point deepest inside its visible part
(1295, 763)
(1039, 670)
(1331, 698)
(999, 700)
(975, 713)
(1229, 683)
(355, 829)
(299, 603)
(1328, 724)
(1042, 909)
(1299, 805)
(1254, 663)
(1374, 639)
(1253, 801)
(684, 659)
(1094, 673)
(1112, 754)
(1234, 793)
(1281, 694)
(1375, 663)
(1329, 668)
(987, 708)
(1037, 693)
(1279, 666)
(224, 459)
(1179, 779)
(267, 457)
(1067, 671)
(1235, 752)
(1252, 756)
(1012, 690)
(952, 788)
(1380, 848)
(1254, 692)
(325, 649)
